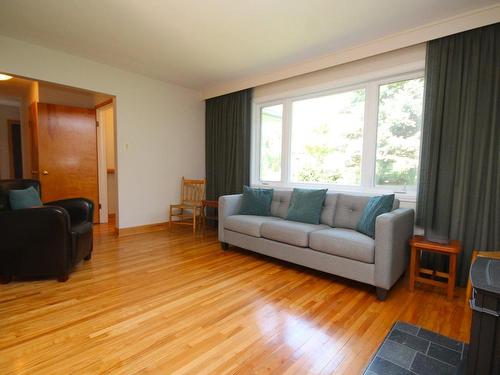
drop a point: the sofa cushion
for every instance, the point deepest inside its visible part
(280, 203)
(290, 232)
(247, 224)
(349, 210)
(328, 211)
(346, 243)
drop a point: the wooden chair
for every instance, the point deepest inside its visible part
(192, 195)
(475, 254)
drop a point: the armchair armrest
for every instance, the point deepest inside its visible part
(79, 209)
(392, 232)
(228, 205)
(35, 241)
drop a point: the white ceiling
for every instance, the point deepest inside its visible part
(199, 43)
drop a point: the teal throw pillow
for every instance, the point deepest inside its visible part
(25, 198)
(306, 205)
(376, 206)
(256, 201)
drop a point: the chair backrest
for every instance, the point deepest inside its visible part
(7, 185)
(192, 191)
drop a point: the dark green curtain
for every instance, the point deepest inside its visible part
(227, 136)
(459, 189)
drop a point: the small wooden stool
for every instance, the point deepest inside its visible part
(452, 249)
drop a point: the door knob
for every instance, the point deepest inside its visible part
(45, 173)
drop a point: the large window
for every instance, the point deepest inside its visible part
(327, 138)
(398, 133)
(365, 137)
(271, 125)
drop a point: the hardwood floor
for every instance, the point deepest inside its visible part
(171, 303)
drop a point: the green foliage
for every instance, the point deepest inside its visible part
(309, 174)
(400, 117)
(388, 176)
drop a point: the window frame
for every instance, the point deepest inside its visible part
(367, 185)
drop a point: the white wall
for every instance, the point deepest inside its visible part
(160, 127)
(6, 113)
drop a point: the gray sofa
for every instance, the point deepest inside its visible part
(333, 246)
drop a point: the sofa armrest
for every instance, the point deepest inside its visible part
(80, 210)
(392, 233)
(228, 205)
(35, 241)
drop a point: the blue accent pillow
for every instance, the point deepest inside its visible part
(376, 206)
(306, 205)
(24, 198)
(256, 201)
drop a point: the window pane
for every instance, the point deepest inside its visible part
(271, 120)
(398, 133)
(327, 138)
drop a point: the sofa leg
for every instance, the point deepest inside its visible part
(88, 257)
(5, 279)
(63, 278)
(381, 294)
(224, 246)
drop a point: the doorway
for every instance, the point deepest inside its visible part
(15, 148)
(50, 132)
(10, 140)
(105, 114)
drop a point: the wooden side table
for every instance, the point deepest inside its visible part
(452, 249)
(211, 204)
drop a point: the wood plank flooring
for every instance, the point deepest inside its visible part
(174, 303)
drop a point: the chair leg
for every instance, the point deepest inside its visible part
(89, 256)
(202, 217)
(194, 221)
(170, 219)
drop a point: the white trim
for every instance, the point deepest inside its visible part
(345, 84)
(368, 160)
(368, 156)
(461, 22)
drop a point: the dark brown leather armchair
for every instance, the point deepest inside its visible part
(43, 241)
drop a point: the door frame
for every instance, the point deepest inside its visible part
(102, 170)
(102, 167)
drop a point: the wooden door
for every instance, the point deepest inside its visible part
(67, 153)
